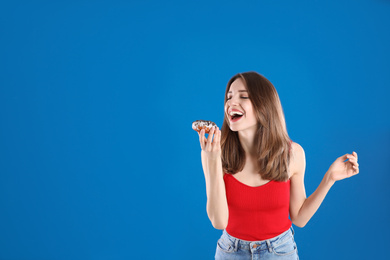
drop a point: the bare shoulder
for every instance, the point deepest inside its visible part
(298, 160)
(297, 149)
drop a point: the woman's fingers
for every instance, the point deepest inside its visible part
(217, 137)
(210, 137)
(353, 159)
(202, 139)
(213, 140)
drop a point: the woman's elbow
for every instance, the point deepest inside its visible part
(219, 226)
(299, 223)
(219, 221)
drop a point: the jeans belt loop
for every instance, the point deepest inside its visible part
(235, 245)
(269, 246)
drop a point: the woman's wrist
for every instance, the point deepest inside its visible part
(214, 166)
(213, 157)
(328, 179)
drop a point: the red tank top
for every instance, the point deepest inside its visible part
(257, 213)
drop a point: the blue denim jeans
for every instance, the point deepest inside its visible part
(281, 247)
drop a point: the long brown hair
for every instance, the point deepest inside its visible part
(271, 139)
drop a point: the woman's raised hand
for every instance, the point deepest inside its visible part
(211, 147)
(340, 170)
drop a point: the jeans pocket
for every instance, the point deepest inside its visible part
(286, 247)
(225, 245)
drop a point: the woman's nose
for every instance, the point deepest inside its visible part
(232, 101)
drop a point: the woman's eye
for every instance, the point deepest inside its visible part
(241, 97)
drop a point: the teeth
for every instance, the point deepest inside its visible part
(235, 113)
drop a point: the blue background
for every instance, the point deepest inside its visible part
(97, 156)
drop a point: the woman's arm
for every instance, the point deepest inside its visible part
(302, 208)
(216, 207)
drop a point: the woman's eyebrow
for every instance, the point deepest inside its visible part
(239, 91)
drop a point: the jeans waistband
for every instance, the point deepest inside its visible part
(262, 244)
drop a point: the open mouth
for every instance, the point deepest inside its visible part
(235, 117)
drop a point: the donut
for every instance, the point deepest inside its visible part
(198, 125)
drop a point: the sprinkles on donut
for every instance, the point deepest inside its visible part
(198, 125)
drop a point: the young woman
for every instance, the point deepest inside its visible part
(255, 175)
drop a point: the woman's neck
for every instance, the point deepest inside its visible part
(247, 138)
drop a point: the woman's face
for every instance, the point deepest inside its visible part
(238, 101)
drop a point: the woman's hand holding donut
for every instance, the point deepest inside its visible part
(211, 147)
